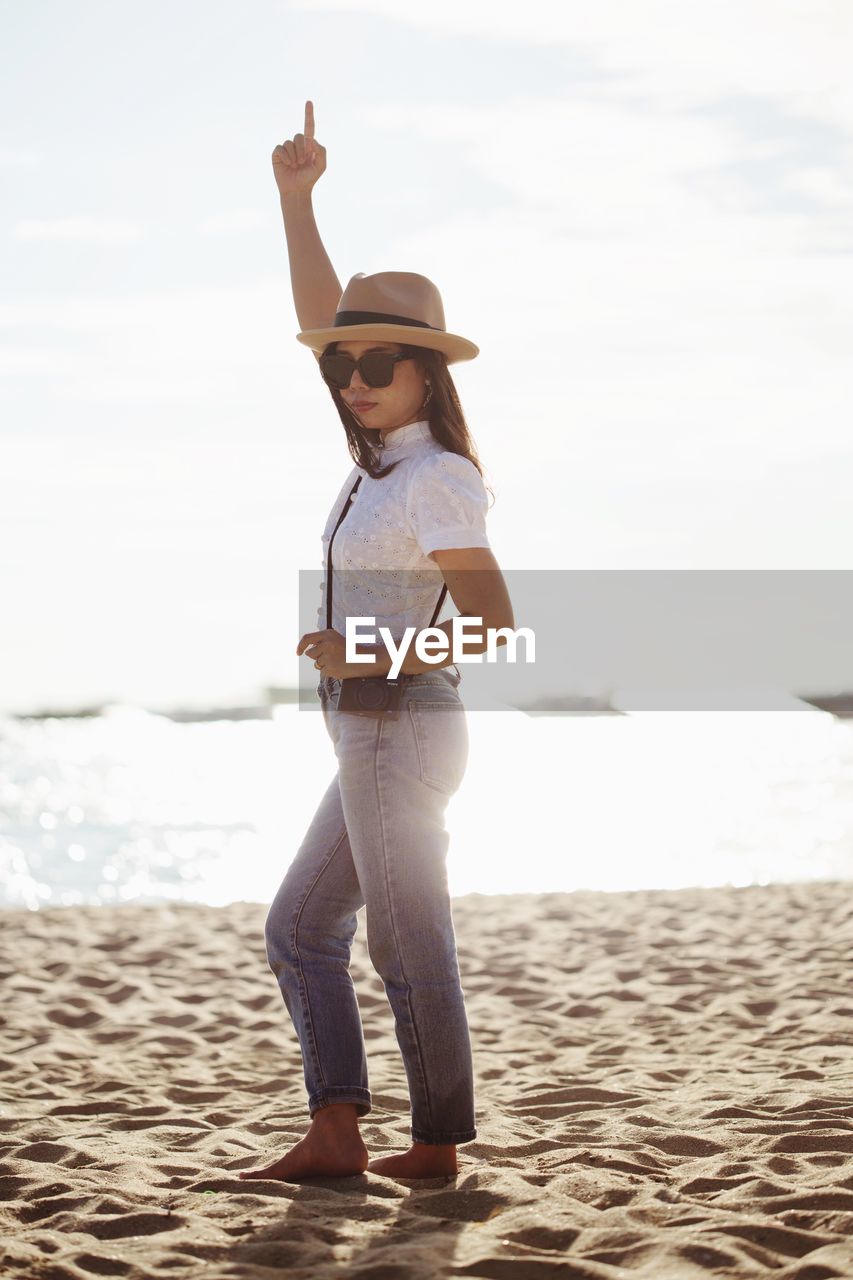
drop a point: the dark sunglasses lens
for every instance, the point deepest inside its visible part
(337, 370)
(377, 368)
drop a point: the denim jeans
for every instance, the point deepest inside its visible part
(378, 838)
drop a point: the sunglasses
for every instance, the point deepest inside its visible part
(376, 368)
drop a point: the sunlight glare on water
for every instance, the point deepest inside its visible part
(655, 799)
(131, 806)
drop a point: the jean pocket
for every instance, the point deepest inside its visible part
(441, 735)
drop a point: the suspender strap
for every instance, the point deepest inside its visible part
(344, 509)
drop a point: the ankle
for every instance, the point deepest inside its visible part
(340, 1116)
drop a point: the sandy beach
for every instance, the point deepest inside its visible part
(664, 1089)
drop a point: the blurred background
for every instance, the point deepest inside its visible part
(643, 215)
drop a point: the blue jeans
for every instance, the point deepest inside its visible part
(378, 838)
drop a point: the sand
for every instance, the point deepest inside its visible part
(664, 1089)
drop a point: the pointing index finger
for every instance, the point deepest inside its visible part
(309, 120)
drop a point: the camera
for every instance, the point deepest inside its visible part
(371, 695)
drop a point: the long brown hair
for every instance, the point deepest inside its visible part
(444, 413)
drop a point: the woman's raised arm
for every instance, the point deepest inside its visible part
(297, 164)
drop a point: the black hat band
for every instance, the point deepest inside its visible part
(377, 317)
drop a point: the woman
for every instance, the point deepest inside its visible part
(378, 838)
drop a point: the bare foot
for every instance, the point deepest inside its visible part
(422, 1160)
(332, 1148)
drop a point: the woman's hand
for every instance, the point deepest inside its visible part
(299, 162)
(328, 649)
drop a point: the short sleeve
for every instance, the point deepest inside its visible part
(447, 503)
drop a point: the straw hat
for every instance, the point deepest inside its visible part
(392, 306)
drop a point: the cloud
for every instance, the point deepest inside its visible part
(676, 51)
(37, 362)
(16, 158)
(832, 188)
(78, 230)
(196, 346)
(235, 222)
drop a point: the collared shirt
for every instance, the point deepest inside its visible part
(433, 500)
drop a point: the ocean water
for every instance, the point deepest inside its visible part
(132, 806)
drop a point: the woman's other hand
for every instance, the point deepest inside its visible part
(299, 162)
(328, 648)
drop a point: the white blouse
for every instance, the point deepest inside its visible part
(433, 500)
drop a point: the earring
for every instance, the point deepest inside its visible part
(428, 396)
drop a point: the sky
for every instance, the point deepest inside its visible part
(642, 215)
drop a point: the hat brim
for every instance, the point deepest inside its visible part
(451, 344)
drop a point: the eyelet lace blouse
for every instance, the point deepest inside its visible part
(433, 500)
